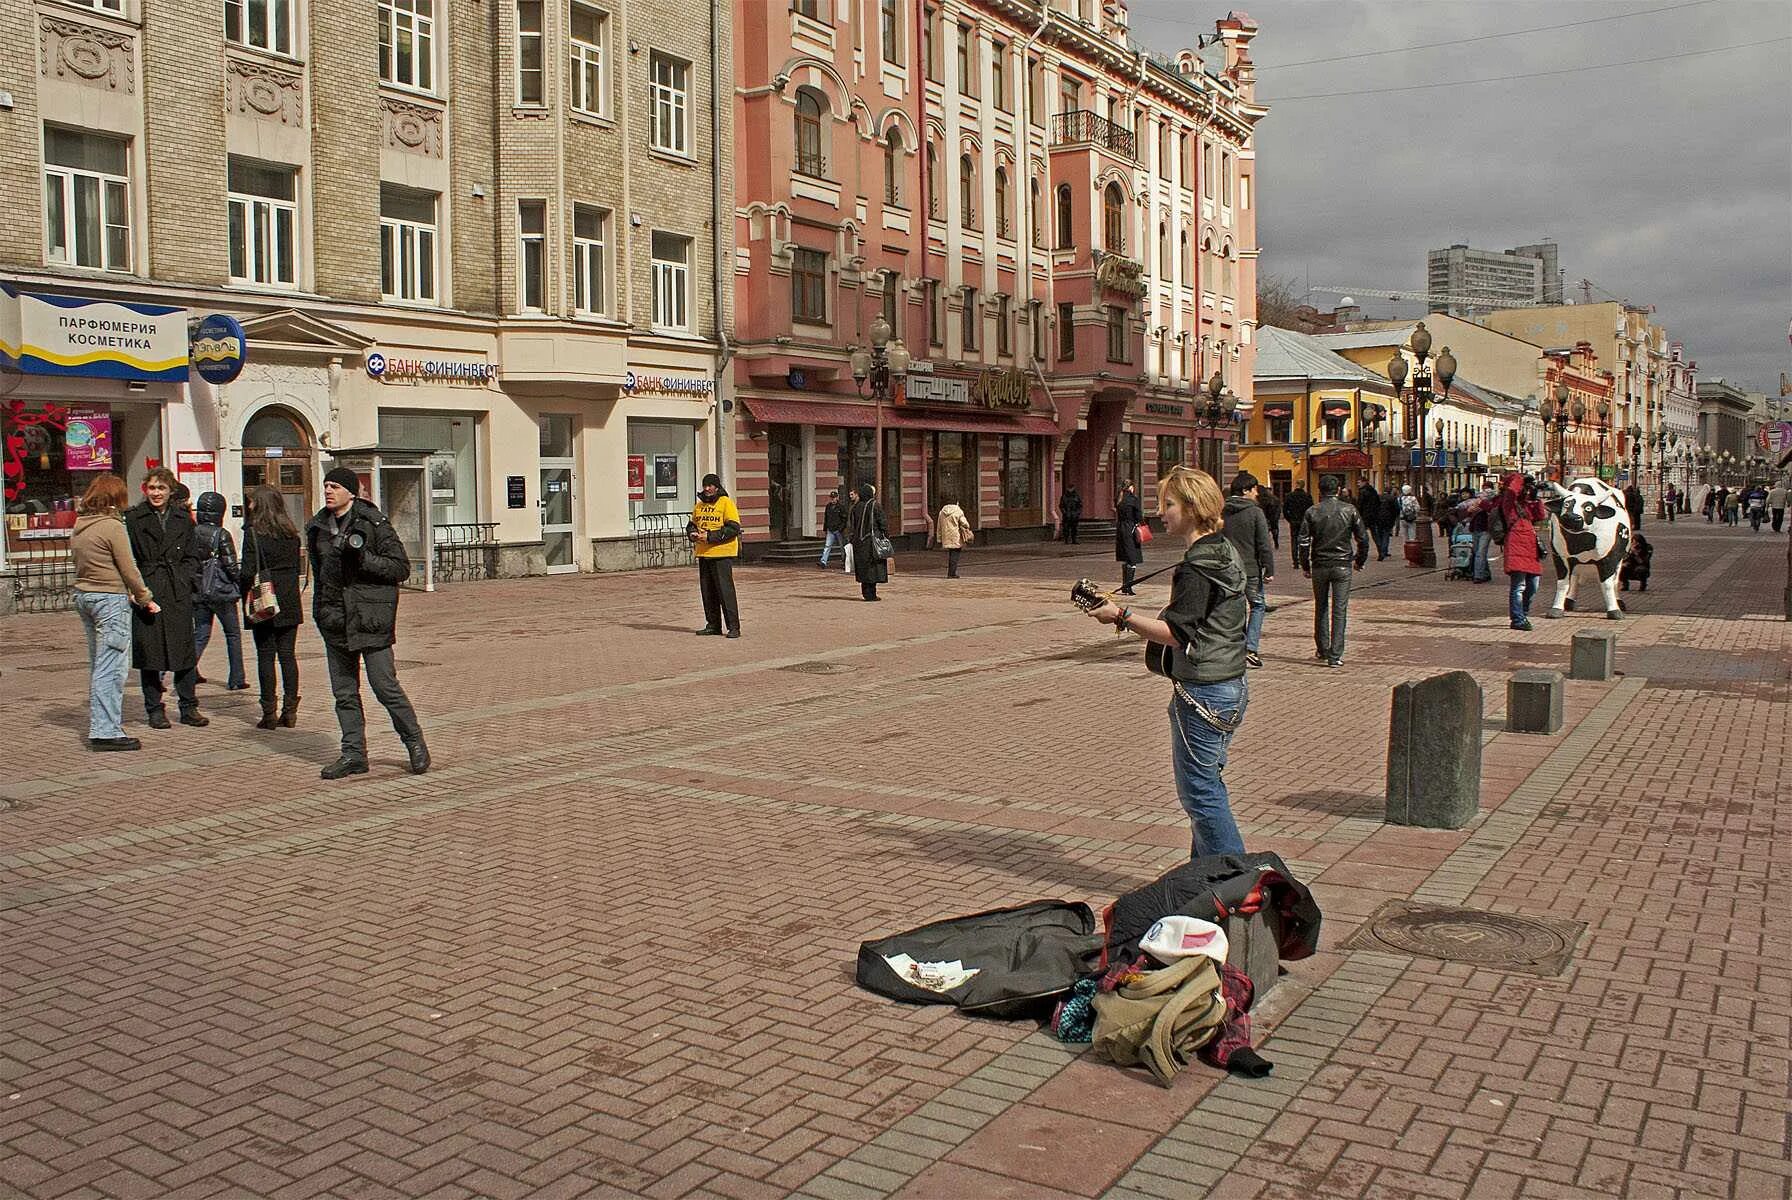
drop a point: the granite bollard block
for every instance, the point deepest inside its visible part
(1434, 752)
(1593, 655)
(1534, 702)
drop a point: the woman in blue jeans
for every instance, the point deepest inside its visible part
(107, 583)
(1202, 635)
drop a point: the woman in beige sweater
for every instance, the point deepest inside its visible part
(107, 583)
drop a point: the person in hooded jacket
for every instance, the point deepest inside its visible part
(1248, 531)
(1410, 508)
(1204, 627)
(952, 530)
(357, 563)
(865, 522)
(1514, 520)
(162, 543)
(1129, 551)
(211, 540)
(271, 553)
(1294, 508)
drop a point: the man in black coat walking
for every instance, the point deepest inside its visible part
(357, 563)
(1247, 529)
(1070, 513)
(161, 536)
(1323, 549)
(1294, 508)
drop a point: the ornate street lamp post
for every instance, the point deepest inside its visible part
(1604, 411)
(875, 371)
(1423, 398)
(1216, 407)
(1559, 419)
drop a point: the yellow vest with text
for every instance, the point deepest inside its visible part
(709, 516)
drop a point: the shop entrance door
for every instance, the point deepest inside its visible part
(784, 460)
(556, 499)
(277, 454)
(953, 473)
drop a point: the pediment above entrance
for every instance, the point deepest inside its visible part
(291, 333)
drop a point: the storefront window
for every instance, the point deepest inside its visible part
(60, 450)
(1022, 475)
(1128, 461)
(952, 473)
(669, 449)
(1212, 452)
(1170, 449)
(454, 462)
(857, 459)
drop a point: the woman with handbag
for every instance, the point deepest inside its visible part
(1129, 542)
(270, 571)
(871, 548)
(1205, 626)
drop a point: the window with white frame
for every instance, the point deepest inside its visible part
(532, 255)
(531, 54)
(263, 24)
(669, 104)
(407, 43)
(408, 244)
(588, 27)
(809, 285)
(264, 223)
(590, 283)
(87, 200)
(111, 6)
(889, 20)
(671, 281)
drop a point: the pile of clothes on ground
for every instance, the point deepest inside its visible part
(1159, 983)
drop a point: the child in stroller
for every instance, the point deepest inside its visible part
(1462, 553)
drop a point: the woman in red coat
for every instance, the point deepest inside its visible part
(1516, 513)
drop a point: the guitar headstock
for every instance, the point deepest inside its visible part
(1086, 596)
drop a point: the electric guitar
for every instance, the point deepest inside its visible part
(1086, 596)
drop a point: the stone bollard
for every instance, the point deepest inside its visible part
(1434, 752)
(1534, 702)
(1594, 655)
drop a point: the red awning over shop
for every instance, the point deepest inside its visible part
(1277, 409)
(975, 421)
(811, 412)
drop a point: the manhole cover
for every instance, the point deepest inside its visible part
(1504, 941)
(818, 667)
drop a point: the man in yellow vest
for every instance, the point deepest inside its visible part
(714, 530)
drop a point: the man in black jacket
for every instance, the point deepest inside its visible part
(1070, 513)
(1295, 508)
(1247, 528)
(833, 525)
(1323, 551)
(357, 563)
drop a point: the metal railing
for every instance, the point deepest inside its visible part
(660, 540)
(1082, 125)
(466, 550)
(42, 583)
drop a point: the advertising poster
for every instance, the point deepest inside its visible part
(198, 469)
(665, 476)
(637, 477)
(87, 441)
(441, 478)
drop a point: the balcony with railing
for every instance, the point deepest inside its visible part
(1080, 126)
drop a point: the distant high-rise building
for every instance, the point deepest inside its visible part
(1521, 275)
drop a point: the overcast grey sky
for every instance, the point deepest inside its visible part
(1667, 183)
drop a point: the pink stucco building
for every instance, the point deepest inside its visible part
(1058, 225)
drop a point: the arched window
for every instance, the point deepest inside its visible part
(1113, 219)
(1188, 266)
(1066, 234)
(893, 167)
(967, 192)
(1035, 214)
(810, 105)
(933, 182)
(1226, 260)
(1163, 249)
(1207, 279)
(1004, 222)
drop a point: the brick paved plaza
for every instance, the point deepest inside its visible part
(605, 947)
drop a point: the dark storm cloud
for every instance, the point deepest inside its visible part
(1666, 183)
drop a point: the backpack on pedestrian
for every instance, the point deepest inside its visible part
(218, 584)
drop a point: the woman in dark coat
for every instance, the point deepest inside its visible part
(271, 553)
(866, 520)
(1129, 514)
(161, 536)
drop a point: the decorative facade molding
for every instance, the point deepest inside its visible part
(264, 92)
(410, 128)
(87, 54)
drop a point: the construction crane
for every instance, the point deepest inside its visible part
(1430, 298)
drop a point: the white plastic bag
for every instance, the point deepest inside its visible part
(849, 558)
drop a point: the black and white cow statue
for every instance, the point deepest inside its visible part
(1591, 526)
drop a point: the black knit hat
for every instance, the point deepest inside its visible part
(344, 478)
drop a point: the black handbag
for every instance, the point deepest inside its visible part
(882, 549)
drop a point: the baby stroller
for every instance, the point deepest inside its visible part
(1462, 553)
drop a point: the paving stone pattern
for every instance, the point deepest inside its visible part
(605, 948)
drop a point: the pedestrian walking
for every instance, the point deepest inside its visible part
(1204, 625)
(1634, 502)
(1776, 503)
(1272, 512)
(1754, 502)
(1248, 530)
(271, 556)
(1324, 552)
(107, 584)
(1481, 525)
(1129, 548)
(1638, 561)
(1383, 529)
(218, 589)
(357, 563)
(1295, 509)
(714, 530)
(1671, 502)
(161, 535)
(953, 531)
(870, 534)
(1409, 513)
(1733, 508)
(833, 525)
(1710, 504)
(1070, 513)
(1517, 515)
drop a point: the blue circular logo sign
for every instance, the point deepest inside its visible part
(376, 364)
(218, 348)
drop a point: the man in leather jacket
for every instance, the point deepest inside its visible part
(357, 563)
(1324, 551)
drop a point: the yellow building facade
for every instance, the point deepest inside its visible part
(1316, 413)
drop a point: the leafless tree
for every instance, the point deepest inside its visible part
(1278, 296)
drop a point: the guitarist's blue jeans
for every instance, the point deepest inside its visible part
(1203, 718)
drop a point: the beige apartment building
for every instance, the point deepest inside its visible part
(484, 234)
